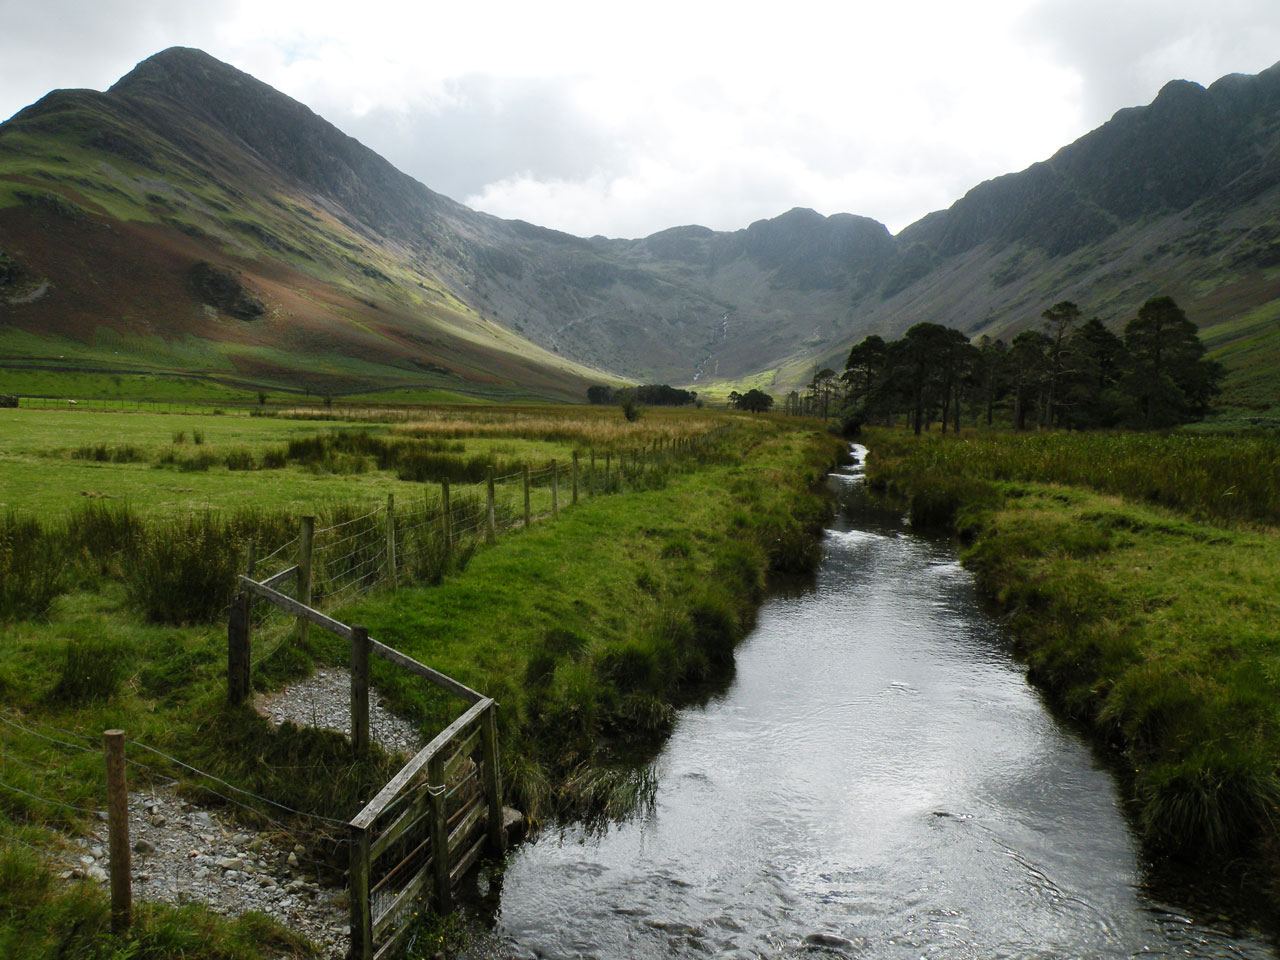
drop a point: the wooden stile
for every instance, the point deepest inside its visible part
(389, 839)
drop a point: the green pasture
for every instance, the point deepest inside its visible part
(587, 628)
(41, 475)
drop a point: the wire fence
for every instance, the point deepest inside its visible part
(356, 551)
(420, 541)
(25, 804)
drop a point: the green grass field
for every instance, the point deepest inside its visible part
(587, 628)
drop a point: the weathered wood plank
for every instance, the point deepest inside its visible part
(306, 544)
(493, 779)
(360, 691)
(284, 576)
(402, 824)
(461, 755)
(466, 860)
(361, 924)
(470, 820)
(441, 680)
(291, 605)
(440, 839)
(397, 783)
(411, 891)
(390, 878)
(465, 789)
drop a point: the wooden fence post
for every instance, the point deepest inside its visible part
(607, 455)
(591, 483)
(492, 534)
(118, 832)
(493, 779)
(391, 539)
(360, 690)
(555, 489)
(528, 516)
(446, 516)
(358, 896)
(575, 478)
(306, 539)
(439, 833)
(239, 622)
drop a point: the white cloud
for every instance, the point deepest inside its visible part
(597, 118)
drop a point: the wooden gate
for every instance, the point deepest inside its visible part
(432, 821)
(425, 829)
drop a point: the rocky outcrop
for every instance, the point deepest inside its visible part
(221, 289)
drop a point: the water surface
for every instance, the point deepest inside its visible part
(878, 781)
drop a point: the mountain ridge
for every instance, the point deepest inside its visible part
(1139, 205)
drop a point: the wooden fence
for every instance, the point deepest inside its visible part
(418, 837)
(432, 821)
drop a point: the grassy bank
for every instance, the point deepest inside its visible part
(1155, 625)
(586, 629)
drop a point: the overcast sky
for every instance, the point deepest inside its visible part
(621, 120)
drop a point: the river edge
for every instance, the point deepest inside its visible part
(485, 944)
(1103, 600)
(650, 595)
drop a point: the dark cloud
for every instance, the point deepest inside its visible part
(487, 129)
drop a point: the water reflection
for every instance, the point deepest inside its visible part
(879, 781)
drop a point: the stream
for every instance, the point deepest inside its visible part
(879, 780)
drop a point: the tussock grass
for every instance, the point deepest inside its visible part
(31, 568)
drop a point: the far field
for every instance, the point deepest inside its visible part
(54, 460)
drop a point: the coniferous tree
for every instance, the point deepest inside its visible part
(1094, 362)
(1027, 371)
(1058, 321)
(1168, 380)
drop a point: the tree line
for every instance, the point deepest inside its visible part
(1065, 374)
(649, 394)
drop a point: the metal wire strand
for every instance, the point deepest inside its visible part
(232, 786)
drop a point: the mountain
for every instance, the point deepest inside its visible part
(193, 216)
(195, 221)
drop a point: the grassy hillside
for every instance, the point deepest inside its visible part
(111, 209)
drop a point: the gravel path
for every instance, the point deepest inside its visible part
(183, 853)
(324, 700)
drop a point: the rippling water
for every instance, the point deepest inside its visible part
(879, 781)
